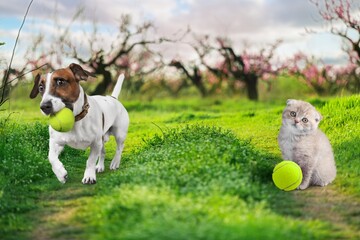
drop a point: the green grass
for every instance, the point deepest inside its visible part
(22, 163)
(191, 169)
(342, 123)
(23, 168)
(192, 183)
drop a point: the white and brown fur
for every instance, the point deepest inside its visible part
(105, 116)
(301, 141)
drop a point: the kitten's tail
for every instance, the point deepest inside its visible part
(115, 93)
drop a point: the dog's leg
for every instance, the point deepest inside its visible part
(90, 171)
(100, 167)
(115, 163)
(57, 167)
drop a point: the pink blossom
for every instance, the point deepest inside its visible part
(247, 66)
(311, 72)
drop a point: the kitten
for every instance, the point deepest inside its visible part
(301, 141)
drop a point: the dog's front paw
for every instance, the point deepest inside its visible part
(89, 180)
(60, 173)
(89, 177)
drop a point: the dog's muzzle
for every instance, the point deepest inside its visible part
(47, 107)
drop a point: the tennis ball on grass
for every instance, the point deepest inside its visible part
(63, 120)
(287, 175)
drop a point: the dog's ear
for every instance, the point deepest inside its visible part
(35, 90)
(79, 72)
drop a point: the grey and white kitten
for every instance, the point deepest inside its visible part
(301, 141)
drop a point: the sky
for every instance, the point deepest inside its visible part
(254, 23)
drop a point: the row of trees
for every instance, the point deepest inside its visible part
(132, 51)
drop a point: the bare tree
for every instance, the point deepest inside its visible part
(5, 82)
(127, 53)
(194, 74)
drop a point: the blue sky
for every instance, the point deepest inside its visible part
(256, 22)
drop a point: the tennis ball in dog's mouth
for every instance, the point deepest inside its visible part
(63, 120)
(287, 175)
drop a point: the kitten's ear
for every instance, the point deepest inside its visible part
(290, 102)
(318, 117)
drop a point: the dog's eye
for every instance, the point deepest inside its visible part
(293, 114)
(60, 81)
(305, 120)
(41, 88)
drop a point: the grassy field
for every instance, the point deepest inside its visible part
(191, 169)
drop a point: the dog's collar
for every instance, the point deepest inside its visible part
(84, 111)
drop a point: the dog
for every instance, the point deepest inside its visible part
(96, 118)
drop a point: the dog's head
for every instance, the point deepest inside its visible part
(60, 88)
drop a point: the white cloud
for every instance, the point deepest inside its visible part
(255, 21)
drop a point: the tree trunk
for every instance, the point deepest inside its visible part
(104, 84)
(251, 82)
(200, 86)
(197, 80)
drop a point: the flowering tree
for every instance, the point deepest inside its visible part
(324, 79)
(344, 19)
(244, 69)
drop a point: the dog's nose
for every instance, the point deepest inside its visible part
(47, 108)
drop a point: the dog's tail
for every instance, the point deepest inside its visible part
(118, 85)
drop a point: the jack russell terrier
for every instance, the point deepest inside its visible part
(96, 118)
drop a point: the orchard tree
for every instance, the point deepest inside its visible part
(129, 53)
(248, 67)
(244, 68)
(344, 19)
(323, 79)
(193, 73)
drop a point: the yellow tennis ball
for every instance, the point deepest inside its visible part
(287, 175)
(63, 120)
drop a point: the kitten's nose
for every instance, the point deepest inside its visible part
(297, 120)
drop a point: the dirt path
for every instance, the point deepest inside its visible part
(330, 205)
(55, 218)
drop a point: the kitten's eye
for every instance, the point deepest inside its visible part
(293, 114)
(305, 120)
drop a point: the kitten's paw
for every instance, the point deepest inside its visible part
(303, 186)
(324, 184)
